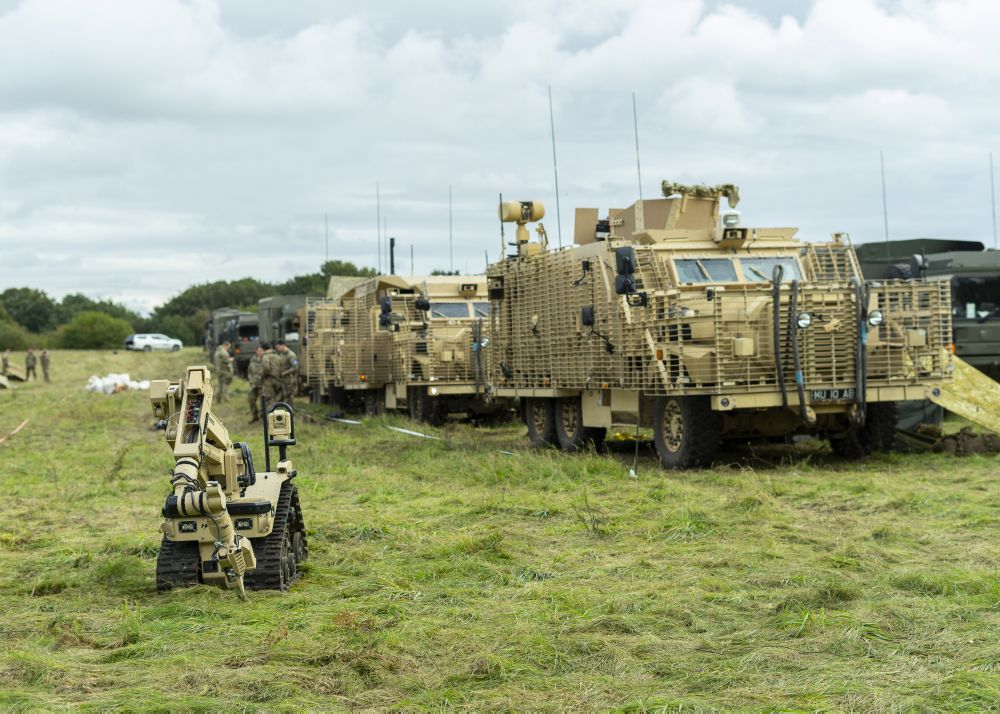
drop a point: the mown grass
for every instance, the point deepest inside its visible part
(448, 573)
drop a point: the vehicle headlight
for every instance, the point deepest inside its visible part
(433, 391)
(804, 320)
(485, 342)
(875, 318)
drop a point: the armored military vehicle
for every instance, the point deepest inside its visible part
(974, 275)
(279, 319)
(409, 343)
(242, 330)
(225, 523)
(673, 316)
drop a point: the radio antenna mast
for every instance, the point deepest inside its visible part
(635, 125)
(555, 168)
(503, 240)
(451, 250)
(378, 226)
(640, 208)
(326, 233)
(993, 202)
(885, 205)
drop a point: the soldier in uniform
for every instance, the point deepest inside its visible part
(223, 362)
(45, 365)
(255, 372)
(6, 362)
(29, 365)
(270, 374)
(289, 372)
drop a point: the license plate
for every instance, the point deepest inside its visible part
(831, 395)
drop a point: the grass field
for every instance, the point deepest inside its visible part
(450, 573)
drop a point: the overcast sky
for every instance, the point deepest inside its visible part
(146, 146)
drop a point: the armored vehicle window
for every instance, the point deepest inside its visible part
(482, 309)
(706, 270)
(449, 309)
(975, 297)
(760, 270)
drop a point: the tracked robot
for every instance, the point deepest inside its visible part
(224, 523)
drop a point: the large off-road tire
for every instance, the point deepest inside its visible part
(540, 416)
(178, 565)
(877, 435)
(425, 408)
(279, 554)
(686, 431)
(147, 348)
(571, 434)
(374, 402)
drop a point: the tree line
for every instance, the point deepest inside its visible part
(31, 318)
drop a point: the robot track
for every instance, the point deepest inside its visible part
(178, 565)
(279, 554)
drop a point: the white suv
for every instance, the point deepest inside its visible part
(148, 343)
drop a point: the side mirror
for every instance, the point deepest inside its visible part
(422, 304)
(637, 299)
(625, 260)
(385, 318)
(624, 284)
(587, 315)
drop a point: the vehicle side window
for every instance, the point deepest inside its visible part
(482, 309)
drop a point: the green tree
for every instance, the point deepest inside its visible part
(31, 308)
(95, 330)
(343, 267)
(75, 303)
(13, 336)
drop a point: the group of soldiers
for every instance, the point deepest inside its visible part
(272, 373)
(31, 361)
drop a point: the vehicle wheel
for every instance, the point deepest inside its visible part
(147, 348)
(374, 402)
(877, 435)
(425, 408)
(540, 415)
(686, 431)
(175, 348)
(571, 434)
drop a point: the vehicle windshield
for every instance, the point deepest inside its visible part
(760, 270)
(975, 297)
(706, 270)
(482, 309)
(449, 309)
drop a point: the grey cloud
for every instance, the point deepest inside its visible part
(157, 144)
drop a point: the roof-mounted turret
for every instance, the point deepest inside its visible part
(728, 190)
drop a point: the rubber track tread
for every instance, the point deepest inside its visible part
(267, 574)
(177, 565)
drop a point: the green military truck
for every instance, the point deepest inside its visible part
(279, 319)
(974, 273)
(241, 329)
